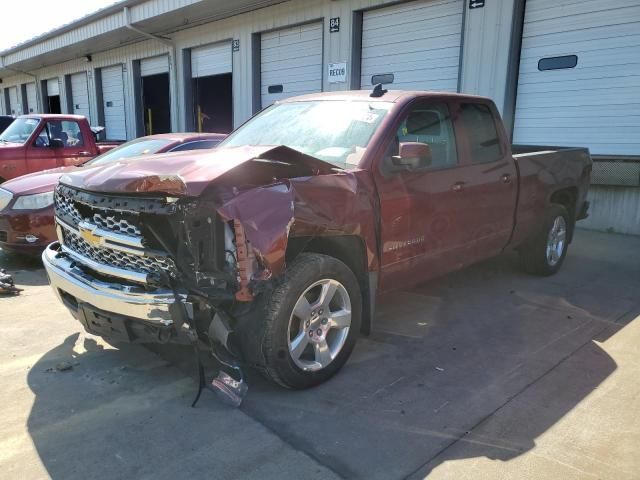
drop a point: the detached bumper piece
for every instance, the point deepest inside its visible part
(115, 311)
(584, 211)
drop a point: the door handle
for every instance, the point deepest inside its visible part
(84, 153)
(506, 178)
(458, 187)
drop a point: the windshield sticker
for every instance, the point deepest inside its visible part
(31, 121)
(366, 117)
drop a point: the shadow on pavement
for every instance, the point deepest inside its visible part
(24, 269)
(443, 358)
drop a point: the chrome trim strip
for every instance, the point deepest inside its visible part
(124, 300)
(106, 269)
(110, 237)
(114, 241)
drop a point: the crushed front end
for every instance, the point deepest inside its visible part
(141, 269)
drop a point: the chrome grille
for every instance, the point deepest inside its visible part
(65, 208)
(118, 225)
(118, 259)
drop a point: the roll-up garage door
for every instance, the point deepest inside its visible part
(154, 66)
(291, 62)
(32, 98)
(114, 103)
(80, 95)
(14, 104)
(414, 44)
(53, 87)
(211, 60)
(579, 80)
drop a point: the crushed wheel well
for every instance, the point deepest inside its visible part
(350, 250)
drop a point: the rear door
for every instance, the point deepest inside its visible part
(489, 187)
(422, 213)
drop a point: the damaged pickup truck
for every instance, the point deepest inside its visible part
(271, 250)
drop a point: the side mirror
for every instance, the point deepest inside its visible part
(56, 143)
(412, 155)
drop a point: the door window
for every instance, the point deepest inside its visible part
(67, 132)
(431, 125)
(480, 129)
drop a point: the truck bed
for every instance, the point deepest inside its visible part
(541, 169)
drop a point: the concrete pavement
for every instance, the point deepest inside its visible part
(485, 373)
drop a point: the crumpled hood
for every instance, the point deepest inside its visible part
(39, 182)
(184, 173)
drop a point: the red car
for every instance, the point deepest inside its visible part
(26, 203)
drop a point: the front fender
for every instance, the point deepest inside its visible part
(321, 205)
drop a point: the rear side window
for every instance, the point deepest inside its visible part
(196, 145)
(480, 128)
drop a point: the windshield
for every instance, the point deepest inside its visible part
(141, 146)
(20, 130)
(337, 131)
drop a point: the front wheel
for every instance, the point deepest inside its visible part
(313, 320)
(546, 251)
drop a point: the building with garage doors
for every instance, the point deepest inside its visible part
(562, 72)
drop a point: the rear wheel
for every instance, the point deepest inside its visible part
(545, 253)
(313, 319)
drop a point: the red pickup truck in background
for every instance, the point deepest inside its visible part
(272, 249)
(39, 142)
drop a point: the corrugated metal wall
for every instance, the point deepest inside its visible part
(613, 209)
(486, 27)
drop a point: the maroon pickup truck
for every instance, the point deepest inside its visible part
(272, 249)
(39, 142)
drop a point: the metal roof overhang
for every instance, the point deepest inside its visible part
(106, 30)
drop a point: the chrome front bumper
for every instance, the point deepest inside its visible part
(74, 286)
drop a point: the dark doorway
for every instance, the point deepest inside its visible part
(54, 104)
(213, 103)
(156, 104)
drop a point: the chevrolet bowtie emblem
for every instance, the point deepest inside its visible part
(90, 237)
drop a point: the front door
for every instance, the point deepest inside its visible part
(73, 150)
(41, 155)
(422, 209)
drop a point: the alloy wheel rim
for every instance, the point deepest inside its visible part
(556, 241)
(319, 325)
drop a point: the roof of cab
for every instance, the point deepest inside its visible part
(188, 136)
(365, 95)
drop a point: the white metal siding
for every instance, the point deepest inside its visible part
(53, 87)
(32, 98)
(291, 57)
(595, 104)
(418, 42)
(211, 60)
(14, 102)
(80, 95)
(154, 66)
(114, 103)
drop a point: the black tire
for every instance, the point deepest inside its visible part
(534, 254)
(307, 269)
